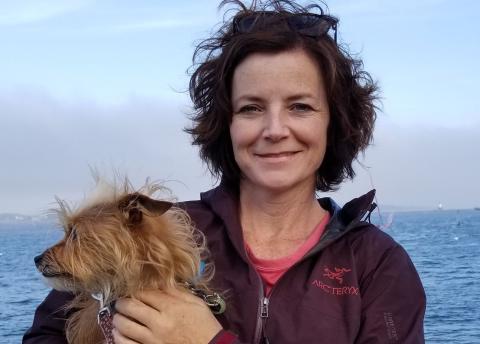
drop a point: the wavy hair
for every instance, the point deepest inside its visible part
(351, 92)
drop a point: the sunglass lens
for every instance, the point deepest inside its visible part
(309, 25)
(245, 24)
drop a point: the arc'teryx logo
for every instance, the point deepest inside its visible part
(337, 274)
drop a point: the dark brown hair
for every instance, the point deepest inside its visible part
(351, 92)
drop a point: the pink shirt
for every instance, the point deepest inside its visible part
(272, 269)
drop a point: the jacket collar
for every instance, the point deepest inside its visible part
(223, 200)
(344, 219)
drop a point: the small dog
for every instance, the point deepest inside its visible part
(118, 243)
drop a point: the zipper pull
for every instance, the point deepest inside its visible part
(265, 308)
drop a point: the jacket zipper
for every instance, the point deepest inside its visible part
(262, 315)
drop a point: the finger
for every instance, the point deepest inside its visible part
(187, 296)
(155, 299)
(130, 329)
(118, 338)
(160, 299)
(182, 294)
(135, 310)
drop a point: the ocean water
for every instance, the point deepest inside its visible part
(444, 245)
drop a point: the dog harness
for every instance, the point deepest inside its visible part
(214, 300)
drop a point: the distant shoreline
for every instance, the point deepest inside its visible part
(17, 218)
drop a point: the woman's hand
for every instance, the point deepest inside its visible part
(163, 317)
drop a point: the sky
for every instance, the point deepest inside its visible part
(103, 84)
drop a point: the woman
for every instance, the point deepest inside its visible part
(281, 112)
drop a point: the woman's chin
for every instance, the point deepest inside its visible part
(278, 184)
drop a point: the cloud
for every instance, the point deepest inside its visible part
(30, 11)
(47, 145)
(382, 7)
(149, 25)
(420, 166)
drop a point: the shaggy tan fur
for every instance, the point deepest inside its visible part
(117, 243)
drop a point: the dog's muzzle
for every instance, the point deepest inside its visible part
(46, 269)
(38, 260)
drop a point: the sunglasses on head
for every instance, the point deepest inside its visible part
(309, 24)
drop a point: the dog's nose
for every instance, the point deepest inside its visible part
(38, 259)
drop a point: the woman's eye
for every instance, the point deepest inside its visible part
(249, 108)
(300, 107)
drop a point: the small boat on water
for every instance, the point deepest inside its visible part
(476, 208)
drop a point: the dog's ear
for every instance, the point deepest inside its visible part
(153, 206)
(135, 204)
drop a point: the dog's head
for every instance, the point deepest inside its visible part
(121, 245)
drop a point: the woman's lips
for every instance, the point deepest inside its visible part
(281, 156)
(275, 155)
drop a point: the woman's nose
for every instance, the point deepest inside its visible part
(275, 127)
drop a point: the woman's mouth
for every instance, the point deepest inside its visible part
(280, 156)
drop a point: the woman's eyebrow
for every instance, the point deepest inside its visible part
(256, 98)
(301, 96)
(247, 97)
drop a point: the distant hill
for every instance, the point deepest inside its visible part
(21, 218)
(395, 208)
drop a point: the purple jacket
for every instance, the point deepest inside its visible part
(357, 285)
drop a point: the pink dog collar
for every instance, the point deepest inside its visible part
(104, 319)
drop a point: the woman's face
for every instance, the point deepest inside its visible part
(280, 120)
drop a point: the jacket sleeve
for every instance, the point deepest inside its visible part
(225, 337)
(49, 322)
(393, 301)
